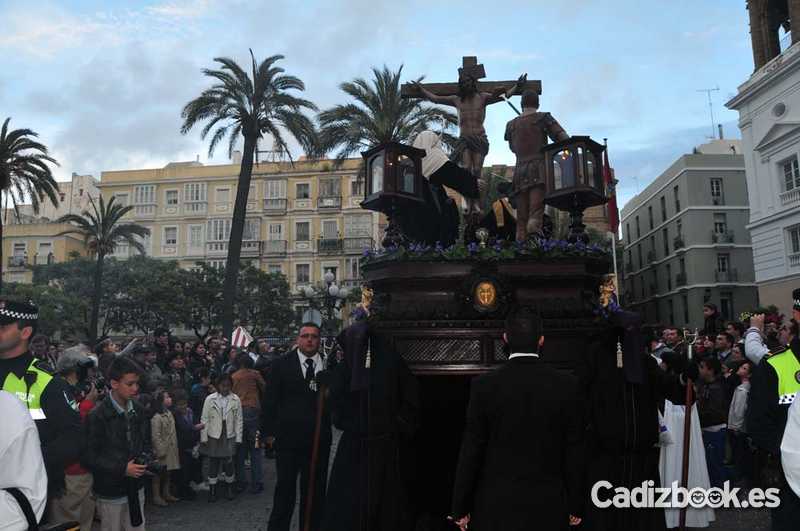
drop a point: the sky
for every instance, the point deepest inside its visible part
(104, 82)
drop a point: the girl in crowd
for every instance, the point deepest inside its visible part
(165, 447)
(222, 430)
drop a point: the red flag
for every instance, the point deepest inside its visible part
(611, 187)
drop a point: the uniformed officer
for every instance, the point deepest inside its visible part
(47, 397)
(774, 386)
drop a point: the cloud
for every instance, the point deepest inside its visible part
(181, 9)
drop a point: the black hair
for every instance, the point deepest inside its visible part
(34, 325)
(244, 361)
(310, 324)
(713, 363)
(37, 338)
(179, 395)
(728, 336)
(523, 328)
(122, 366)
(158, 400)
(203, 373)
(222, 378)
(737, 325)
(530, 99)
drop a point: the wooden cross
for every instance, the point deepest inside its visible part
(470, 67)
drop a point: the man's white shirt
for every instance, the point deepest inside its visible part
(523, 355)
(317, 362)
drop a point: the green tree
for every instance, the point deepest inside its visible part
(376, 115)
(264, 302)
(103, 229)
(202, 306)
(60, 313)
(25, 173)
(251, 105)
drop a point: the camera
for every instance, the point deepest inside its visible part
(85, 382)
(150, 462)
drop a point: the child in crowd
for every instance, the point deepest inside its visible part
(222, 430)
(742, 456)
(188, 430)
(165, 447)
(200, 389)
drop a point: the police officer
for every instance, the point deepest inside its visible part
(47, 397)
(774, 386)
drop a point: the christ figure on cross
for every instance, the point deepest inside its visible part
(471, 103)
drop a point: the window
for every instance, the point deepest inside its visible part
(685, 301)
(650, 216)
(639, 251)
(302, 231)
(358, 226)
(303, 190)
(723, 261)
(670, 311)
(665, 235)
(170, 235)
(329, 188)
(638, 229)
(628, 232)
(222, 195)
(669, 277)
(682, 264)
(63, 196)
(357, 187)
(716, 192)
(275, 231)
(217, 264)
(677, 196)
(794, 240)
(144, 194)
(330, 229)
(630, 258)
(791, 174)
(275, 189)
(195, 236)
(252, 229)
(20, 249)
(194, 192)
(720, 224)
(726, 305)
(274, 268)
(172, 197)
(302, 273)
(80, 192)
(351, 269)
(679, 227)
(119, 199)
(219, 230)
(653, 245)
(663, 208)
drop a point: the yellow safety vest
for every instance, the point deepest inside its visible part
(788, 370)
(29, 389)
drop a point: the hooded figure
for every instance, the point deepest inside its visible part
(375, 400)
(439, 170)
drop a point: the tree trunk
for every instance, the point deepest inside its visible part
(1, 252)
(235, 241)
(98, 292)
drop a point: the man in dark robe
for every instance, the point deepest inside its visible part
(625, 389)
(375, 402)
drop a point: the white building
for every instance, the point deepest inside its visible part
(769, 118)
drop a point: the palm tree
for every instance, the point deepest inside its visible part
(24, 172)
(102, 229)
(377, 115)
(251, 105)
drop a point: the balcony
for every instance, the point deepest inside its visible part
(357, 245)
(330, 245)
(249, 248)
(40, 259)
(794, 260)
(145, 210)
(350, 283)
(628, 267)
(274, 207)
(790, 197)
(722, 237)
(195, 208)
(17, 261)
(274, 247)
(680, 279)
(651, 257)
(677, 242)
(731, 275)
(329, 202)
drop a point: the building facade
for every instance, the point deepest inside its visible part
(686, 241)
(36, 243)
(302, 220)
(769, 118)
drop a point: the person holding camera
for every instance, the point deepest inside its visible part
(119, 450)
(45, 396)
(76, 503)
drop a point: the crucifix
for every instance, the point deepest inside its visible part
(470, 97)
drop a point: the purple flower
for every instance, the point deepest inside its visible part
(472, 248)
(367, 253)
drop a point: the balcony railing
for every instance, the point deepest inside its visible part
(678, 243)
(794, 260)
(145, 210)
(42, 259)
(17, 261)
(274, 206)
(722, 237)
(731, 275)
(330, 245)
(329, 201)
(195, 207)
(653, 289)
(357, 245)
(680, 279)
(249, 248)
(350, 282)
(790, 197)
(651, 256)
(274, 247)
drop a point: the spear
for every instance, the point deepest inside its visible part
(691, 339)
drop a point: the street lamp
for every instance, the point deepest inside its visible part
(329, 297)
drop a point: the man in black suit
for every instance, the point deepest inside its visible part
(521, 460)
(290, 412)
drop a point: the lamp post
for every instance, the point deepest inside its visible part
(328, 297)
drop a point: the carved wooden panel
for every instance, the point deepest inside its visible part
(439, 350)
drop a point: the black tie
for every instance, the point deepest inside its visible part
(309, 370)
